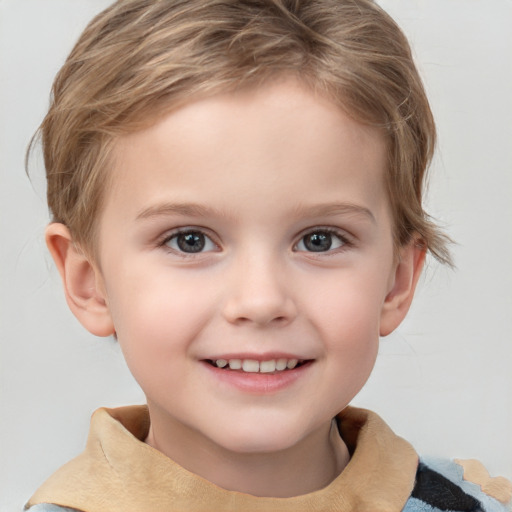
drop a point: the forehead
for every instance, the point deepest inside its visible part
(279, 144)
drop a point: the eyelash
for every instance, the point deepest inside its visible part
(345, 241)
(168, 237)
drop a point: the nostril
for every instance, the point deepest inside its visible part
(263, 307)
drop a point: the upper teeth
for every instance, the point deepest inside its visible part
(253, 366)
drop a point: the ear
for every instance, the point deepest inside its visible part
(83, 283)
(403, 284)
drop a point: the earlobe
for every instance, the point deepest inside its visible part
(83, 284)
(406, 276)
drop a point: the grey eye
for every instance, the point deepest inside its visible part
(320, 241)
(191, 242)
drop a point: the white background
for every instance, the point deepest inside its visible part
(443, 381)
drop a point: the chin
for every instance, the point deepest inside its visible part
(263, 437)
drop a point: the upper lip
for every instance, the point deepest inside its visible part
(267, 356)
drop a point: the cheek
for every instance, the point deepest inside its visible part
(352, 336)
(349, 306)
(155, 337)
(347, 317)
(157, 314)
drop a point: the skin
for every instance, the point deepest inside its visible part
(256, 173)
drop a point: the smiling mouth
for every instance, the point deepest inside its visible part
(254, 366)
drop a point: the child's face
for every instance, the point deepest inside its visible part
(250, 226)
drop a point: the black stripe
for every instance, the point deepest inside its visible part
(438, 491)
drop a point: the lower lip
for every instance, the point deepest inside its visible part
(259, 383)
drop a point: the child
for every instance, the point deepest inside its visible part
(236, 190)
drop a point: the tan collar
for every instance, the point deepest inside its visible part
(118, 472)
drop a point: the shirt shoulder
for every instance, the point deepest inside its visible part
(458, 486)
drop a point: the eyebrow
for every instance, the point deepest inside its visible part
(185, 209)
(332, 209)
(197, 210)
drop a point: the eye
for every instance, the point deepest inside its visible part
(190, 242)
(322, 240)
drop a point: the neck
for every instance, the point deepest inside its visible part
(305, 467)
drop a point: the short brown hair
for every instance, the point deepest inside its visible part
(139, 59)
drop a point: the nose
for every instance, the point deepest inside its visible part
(259, 293)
